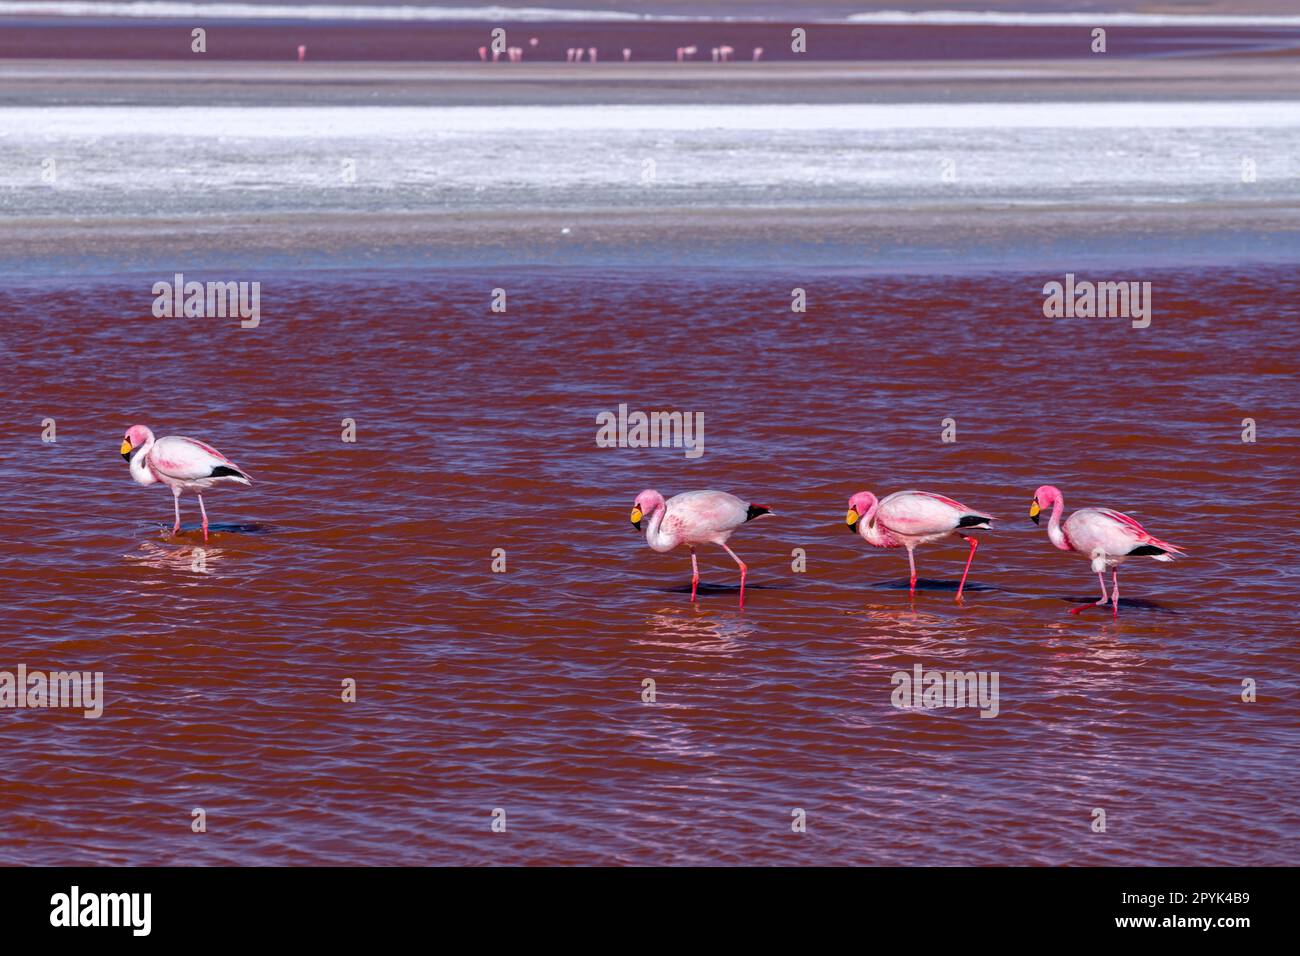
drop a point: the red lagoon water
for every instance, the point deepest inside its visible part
(521, 690)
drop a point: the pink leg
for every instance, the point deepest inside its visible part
(695, 574)
(1102, 578)
(205, 518)
(176, 501)
(1114, 591)
(911, 590)
(971, 557)
(743, 569)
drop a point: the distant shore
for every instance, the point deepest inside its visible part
(30, 82)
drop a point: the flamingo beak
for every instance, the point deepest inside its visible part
(636, 518)
(126, 450)
(851, 519)
(1034, 511)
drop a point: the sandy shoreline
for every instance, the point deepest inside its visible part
(164, 83)
(921, 239)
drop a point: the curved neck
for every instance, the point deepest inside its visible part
(868, 528)
(1054, 532)
(652, 536)
(140, 471)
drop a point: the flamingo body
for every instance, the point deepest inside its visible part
(908, 519)
(694, 518)
(183, 464)
(1107, 538)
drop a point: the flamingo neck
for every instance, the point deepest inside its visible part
(1054, 532)
(140, 470)
(868, 528)
(652, 536)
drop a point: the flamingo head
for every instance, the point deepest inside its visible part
(1044, 498)
(135, 436)
(862, 505)
(645, 504)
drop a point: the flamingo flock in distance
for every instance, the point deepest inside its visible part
(575, 54)
(904, 519)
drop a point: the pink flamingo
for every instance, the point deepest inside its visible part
(532, 41)
(758, 53)
(591, 54)
(694, 518)
(725, 52)
(627, 54)
(482, 53)
(910, 518)
(302, 53)
(1107, 537)
(715, 54)
(577, 54)
(182, 464)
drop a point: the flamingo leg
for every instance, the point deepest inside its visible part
(176, 502)
(205, 518)
(743, 569)
(1101, 576)
(911, 588)
(1114, 591)
(971, 557)
(695, 574)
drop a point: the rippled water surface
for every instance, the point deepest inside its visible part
(522, 690)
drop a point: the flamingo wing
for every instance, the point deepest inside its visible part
(698, 513)
(1139, 534)
(188, 460)
(919, 513)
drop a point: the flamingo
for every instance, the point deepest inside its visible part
(725, 53)
(591, 54)
(482, 53)
(302, 52)
(694, 518)
(1107, 537)
(758, 53)
(627, 54)
(910, 518)
(182, 464)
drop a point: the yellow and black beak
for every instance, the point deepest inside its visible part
(851, 519)
(126, 450)
(1034, 510)
(636, 517)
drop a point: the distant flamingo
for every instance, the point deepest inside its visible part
(302, 53)
(591, 54)
(725, 52)
(532, 41)
(758, 53)
(907, 519)
(577, 54)
(694, 518)
(482, 53)
(1107, 537)
(715, 54)
(182, 464)
(568, 55)
(627, 54)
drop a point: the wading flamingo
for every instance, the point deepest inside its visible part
(694, 518)
(906, 519)
(182, 464)
(1106, 537)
